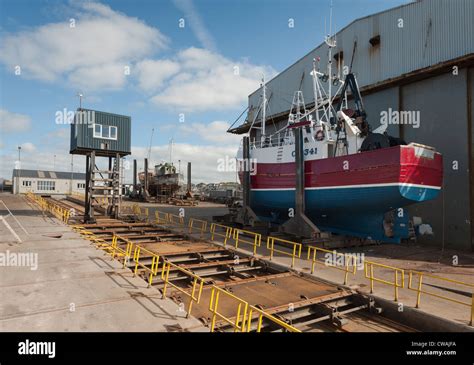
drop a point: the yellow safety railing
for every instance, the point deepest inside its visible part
(242, 321)
(124, 209)
(161, 217)
(77, 195)
(136, 210)
(295, 252)
(201, 228)
(240, 237)
(339, 261)
(226, 234)
(262, 314)
(397, 272)
(118, 251)
(175, 220)
(58, 211)
(155, 260)
(242, 306)
(197, 284)
(419, 289)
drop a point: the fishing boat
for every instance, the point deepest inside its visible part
(357, 181)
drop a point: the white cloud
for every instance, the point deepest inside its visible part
(46, 158)
(105, 76)
(196, 23)
(209, 81)
(204, 160)
(152, 73)
(213, 132)
(91, 55)
(28, 147)
(14, 122)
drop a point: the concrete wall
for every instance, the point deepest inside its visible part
(62, 186)
(442, 103)
(470, 107)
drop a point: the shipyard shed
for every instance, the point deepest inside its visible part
(106, 134)
(416, 57)
(48, 182)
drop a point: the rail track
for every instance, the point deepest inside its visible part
(228, 290)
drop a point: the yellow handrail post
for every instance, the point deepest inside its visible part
(396, 285)
(136, 256)
(472, 310)
(418, 295)
(371, 279)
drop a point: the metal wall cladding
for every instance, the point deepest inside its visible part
(82, 133)
(433, 31)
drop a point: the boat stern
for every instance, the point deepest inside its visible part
(421, 172)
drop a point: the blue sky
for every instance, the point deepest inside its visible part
(173, 71)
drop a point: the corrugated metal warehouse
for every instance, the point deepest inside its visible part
(416, 57)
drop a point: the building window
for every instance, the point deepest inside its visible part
(97, 130)
(46, 185)
(105, 131)
(81, 185)
(26, 183)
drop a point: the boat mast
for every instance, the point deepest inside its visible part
(264, 106)
(331, 42)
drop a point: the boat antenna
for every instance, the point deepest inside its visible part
(331, 42)
(171, 149)
(151, 139)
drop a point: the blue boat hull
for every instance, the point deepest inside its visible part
(354, 211)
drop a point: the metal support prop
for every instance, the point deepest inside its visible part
(146, 177)
(300, 225)
(246, 215)
(134, 175)
(189, 177)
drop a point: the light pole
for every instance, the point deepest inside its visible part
(80, 95)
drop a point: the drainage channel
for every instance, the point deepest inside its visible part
(231, 291)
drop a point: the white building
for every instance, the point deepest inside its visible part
(48, 182)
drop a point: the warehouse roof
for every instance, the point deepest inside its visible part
(42, 174)
(380, 47)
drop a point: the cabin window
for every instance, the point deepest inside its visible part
(113, 132)
(97, 130)
(105, 131)
(26, 183)
(81, 186)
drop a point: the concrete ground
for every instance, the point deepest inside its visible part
(77, 288)
(67, 285)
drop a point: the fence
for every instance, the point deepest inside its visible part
(419, 290)
(346, 261)
(369, 274)
(295, 253)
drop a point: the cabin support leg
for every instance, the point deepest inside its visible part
(89, 207)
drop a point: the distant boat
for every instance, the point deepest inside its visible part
(163, 180)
